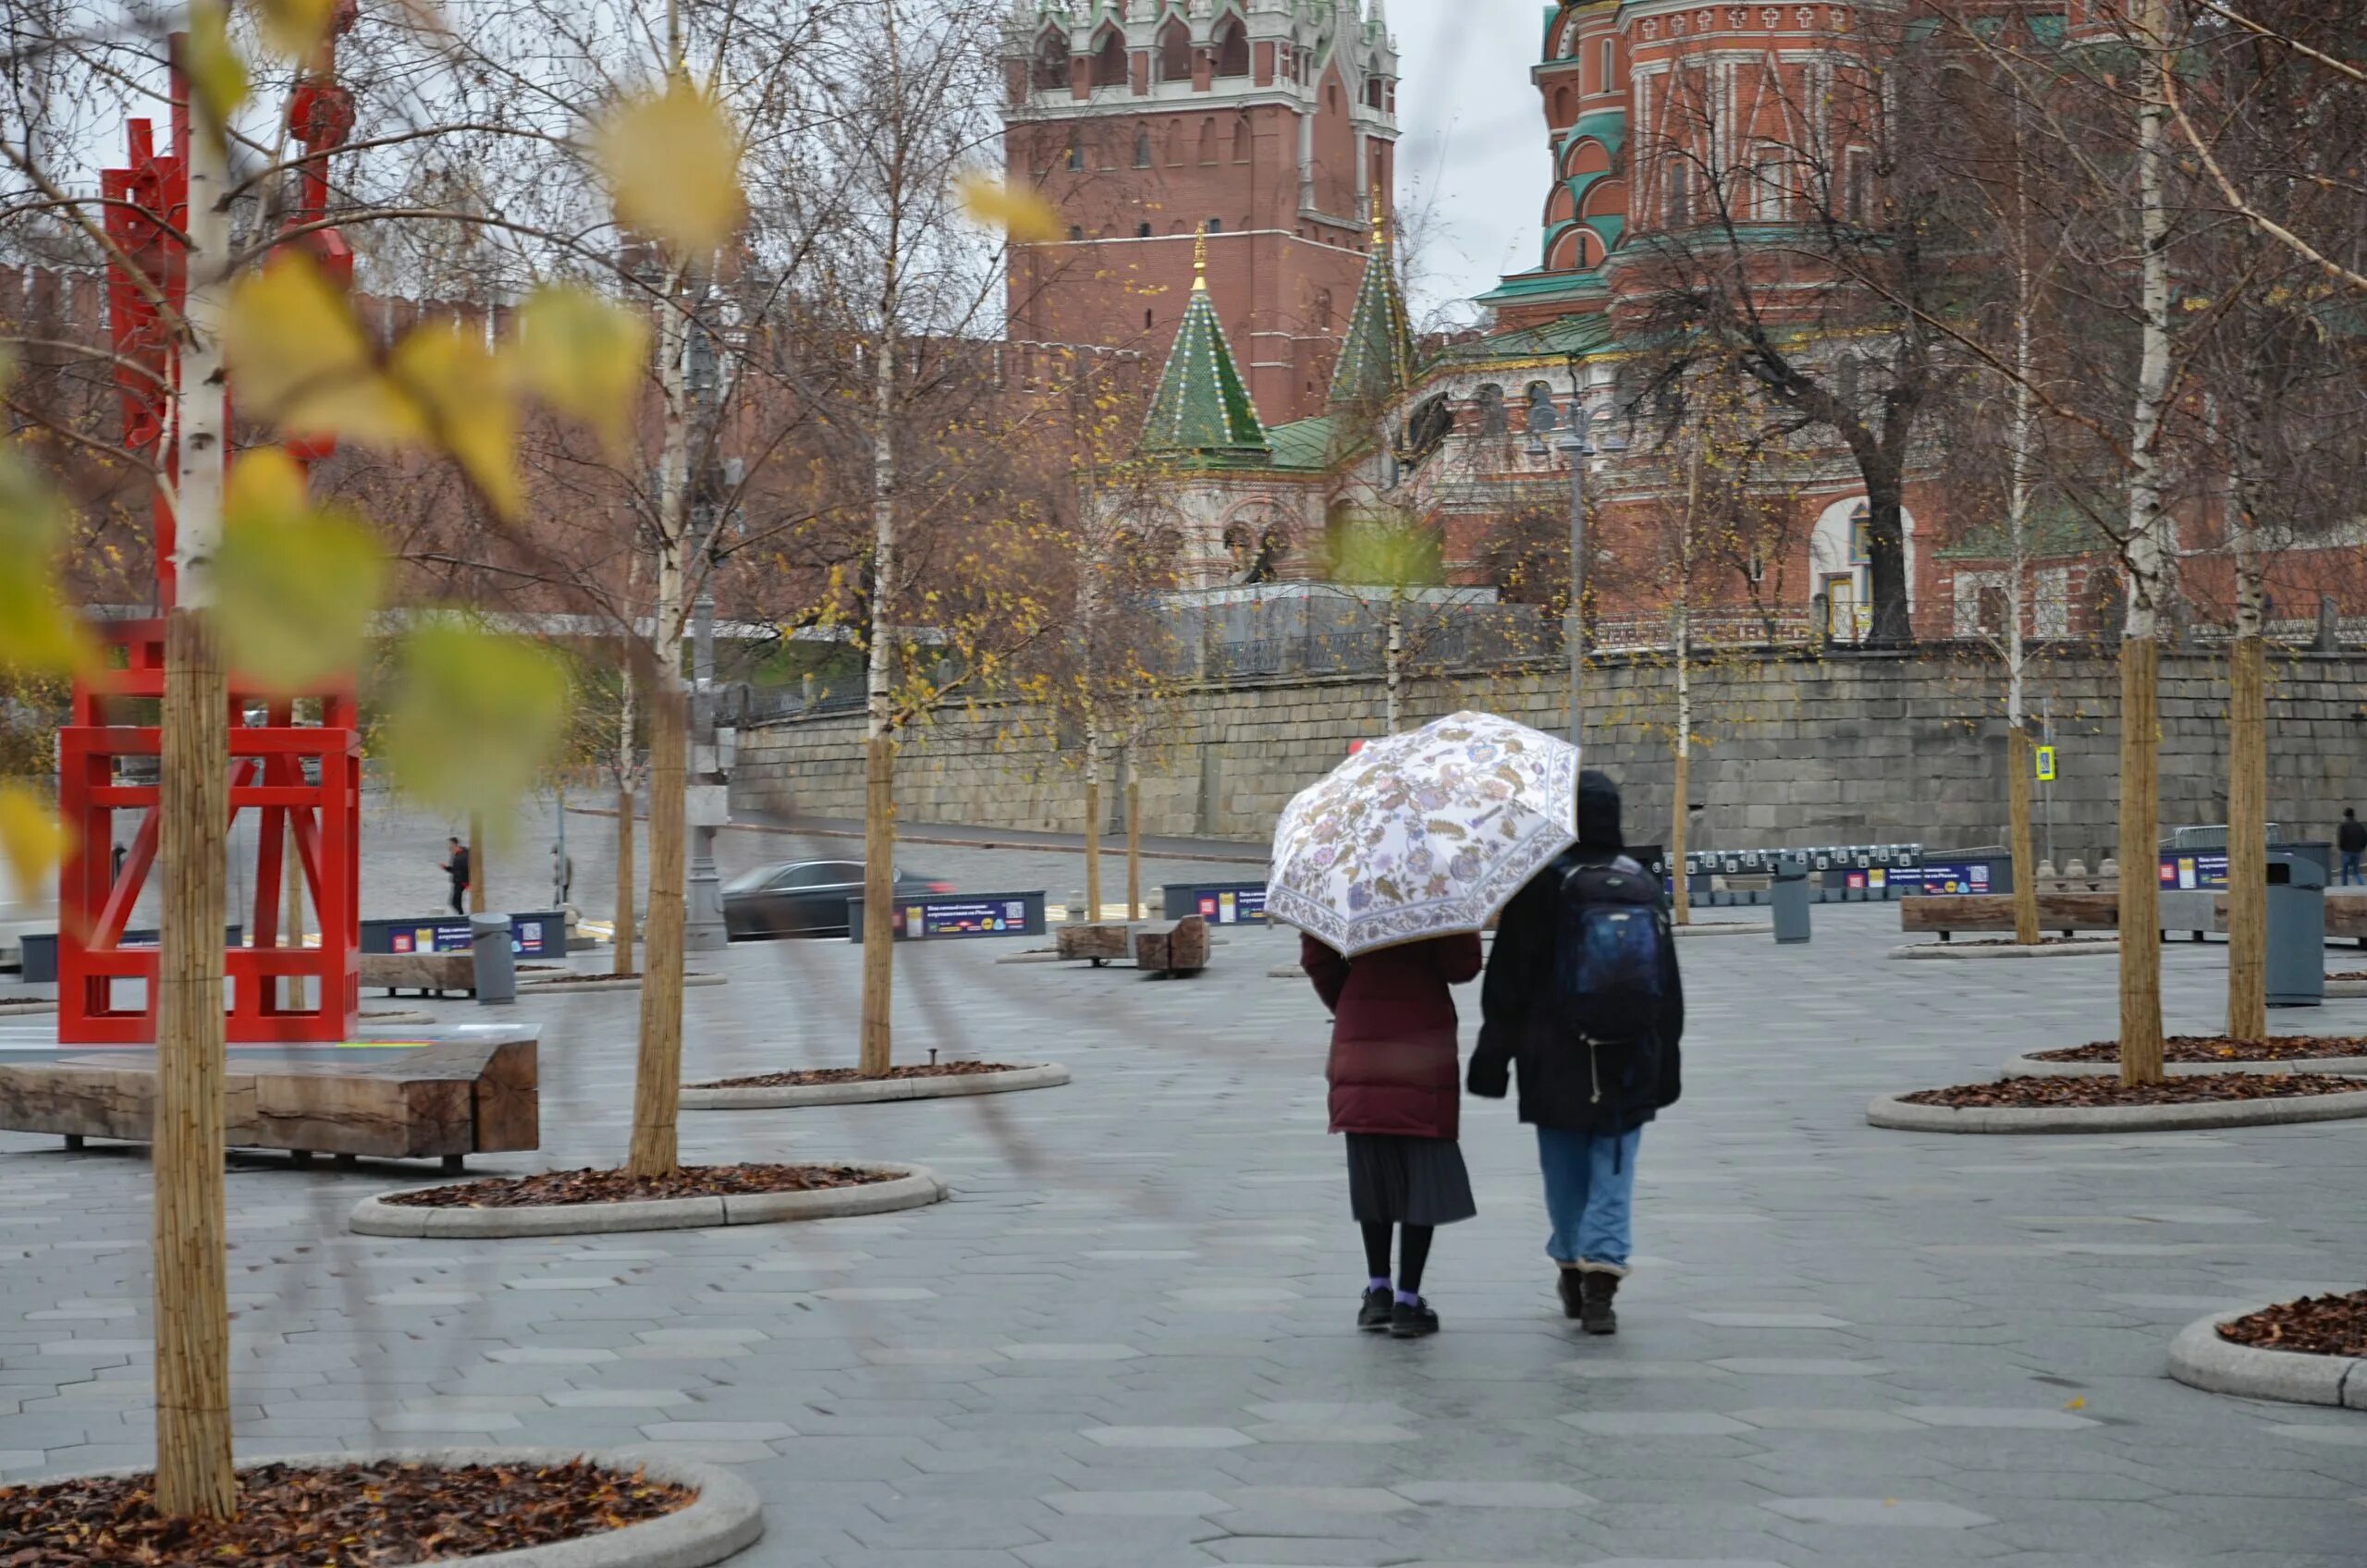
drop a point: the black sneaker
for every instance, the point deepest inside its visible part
(1412, 1321)
(1373, 1316)
(1595, 1290)
(1568, 1285)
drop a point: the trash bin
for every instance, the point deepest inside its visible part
(2297, 930)
(496, 965)
(1789, 893)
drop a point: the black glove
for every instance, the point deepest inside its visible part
(1489, 1078)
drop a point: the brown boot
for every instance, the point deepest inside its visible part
(1568, 1285)
(1595, 1287)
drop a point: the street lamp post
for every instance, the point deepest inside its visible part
(704, 930)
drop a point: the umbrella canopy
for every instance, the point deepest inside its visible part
(1423, 834)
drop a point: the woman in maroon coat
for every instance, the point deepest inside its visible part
(1396, 1092)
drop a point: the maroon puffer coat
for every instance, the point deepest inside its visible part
(1392, 1067)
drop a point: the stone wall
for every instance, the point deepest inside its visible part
(1846, 749)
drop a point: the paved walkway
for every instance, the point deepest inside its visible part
(1127, 1339)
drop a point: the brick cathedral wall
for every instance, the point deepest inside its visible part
(1876, 749)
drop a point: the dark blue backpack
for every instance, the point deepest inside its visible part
(1610, 947)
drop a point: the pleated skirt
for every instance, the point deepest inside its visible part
(1395, 1180)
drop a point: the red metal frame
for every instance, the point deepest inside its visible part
(270, 752)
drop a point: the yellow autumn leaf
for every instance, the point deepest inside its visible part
(1023, 215)
(37, 630)
(2078, 1402)
(583, 356)
(32, 837)
(300, 358)
(672, 161)
(218, 77)
(297, 584)
(447, 369)
(293, 29)
(475, 719)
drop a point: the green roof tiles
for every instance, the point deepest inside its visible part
(1201, 406)
(1377, 358)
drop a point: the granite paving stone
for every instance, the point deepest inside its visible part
(1130, 1339)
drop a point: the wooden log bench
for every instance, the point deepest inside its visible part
(2066, 913)
(2346, 918)
(424, 973)
(430, 1102)
(1098, 943)
(1174, 953)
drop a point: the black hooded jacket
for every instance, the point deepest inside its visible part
(1623, 1086)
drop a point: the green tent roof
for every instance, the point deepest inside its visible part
(1201, 406)
(1376, 357)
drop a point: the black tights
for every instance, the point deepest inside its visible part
(1413, 1253)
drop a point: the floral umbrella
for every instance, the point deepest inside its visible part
(1423, 834)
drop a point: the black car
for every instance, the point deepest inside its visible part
(804, 898)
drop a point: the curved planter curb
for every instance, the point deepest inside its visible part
(1900, 1115)
(2200, 1359)
(911, 1187)
(2077, 949)
(726, 1519)
(600, 983)
(2342, 990)
(1727, 928)
(2031, 1067)
(1044, 1075)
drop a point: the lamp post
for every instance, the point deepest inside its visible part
(703, 928)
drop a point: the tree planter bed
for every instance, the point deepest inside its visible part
(555, 984)
(492, 1508)
(2187, 1056)
(567, 1202)
(2048, 947)
(2308, 1351)
(844, 1085)
(2349, 984)
(1727, 928)
(2094, 1103)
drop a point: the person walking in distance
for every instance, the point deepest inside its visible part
(1583, 994)
(1395, 1094)
(456, 865)
(2351, 839)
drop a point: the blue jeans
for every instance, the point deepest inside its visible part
(1590, 1195)
(2349, 867)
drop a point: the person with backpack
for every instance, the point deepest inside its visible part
(1394, 1093)
(2351, 839)
(1583, 994)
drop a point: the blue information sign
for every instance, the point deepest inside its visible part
(958, 915)
(1218, 903)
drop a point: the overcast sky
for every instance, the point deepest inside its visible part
(1472, 163)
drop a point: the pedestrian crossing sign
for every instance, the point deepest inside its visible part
(2045, 755)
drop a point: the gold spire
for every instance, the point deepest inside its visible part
(1200, 259)
(1379, 236)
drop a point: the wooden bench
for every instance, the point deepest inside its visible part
(1175, 953)
(1098, 943)
(423, 973)
(430, 1102)
(2346, 918)
(2066, 913)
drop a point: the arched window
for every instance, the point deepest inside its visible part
(1052, 68)
(1110, 60)
(1373, 92)
(1542, 415)
(1175, 142)
(1208, 142)
(1076, 152)
(1323, 310)
(1562, 105)
(1426, 429)
(1075, 233)
(1241, 139)
(1146, 308)
(1332, 98)
(1232, 48)
(1175, 51)
(1142, 147)
(1492, 419)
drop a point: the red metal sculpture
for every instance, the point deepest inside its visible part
(302, 779)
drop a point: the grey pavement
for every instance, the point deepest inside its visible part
(1128, 1337)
